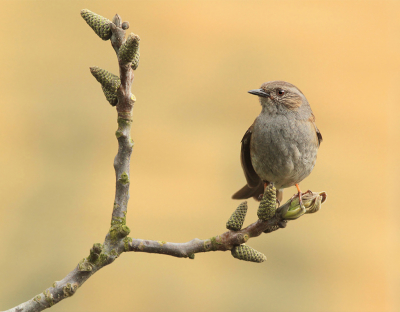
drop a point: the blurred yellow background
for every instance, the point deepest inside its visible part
(198, 60)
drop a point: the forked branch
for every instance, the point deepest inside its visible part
(117, 90)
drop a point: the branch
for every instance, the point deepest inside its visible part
(117, 90)
(232, 239)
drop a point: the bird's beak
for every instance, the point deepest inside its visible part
(259, 92)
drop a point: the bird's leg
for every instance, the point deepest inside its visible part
(266, 183)
(300, 194)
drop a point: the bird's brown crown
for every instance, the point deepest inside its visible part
(282, 92)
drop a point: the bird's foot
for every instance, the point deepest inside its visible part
(294, 208)
(300, 210)
(300, 199)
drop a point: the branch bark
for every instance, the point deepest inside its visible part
(117, 241)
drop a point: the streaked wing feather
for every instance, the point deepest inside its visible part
(252, 178)
(319, 135)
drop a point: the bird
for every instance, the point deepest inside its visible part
(281, 146)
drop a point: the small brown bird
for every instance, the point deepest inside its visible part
(281, 145)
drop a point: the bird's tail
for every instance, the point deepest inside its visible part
(255, 192)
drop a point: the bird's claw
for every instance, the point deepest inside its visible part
(296, 207)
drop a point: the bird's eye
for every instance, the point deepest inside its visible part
(280, 92)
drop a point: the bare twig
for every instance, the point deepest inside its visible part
(118, 92)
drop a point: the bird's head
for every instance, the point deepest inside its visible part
(280, 97)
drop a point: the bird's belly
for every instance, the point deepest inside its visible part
(280, 157)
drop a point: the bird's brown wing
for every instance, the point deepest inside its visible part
(254, 186)
(253, 180)
(319, 135)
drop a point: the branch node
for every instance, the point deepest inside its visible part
(125, 25)
(242, 238)
(127, 241)
(272, 228)
(95, 252)
(141, 246)
(213, 243)
(69, 289)
(282, 224)
(118, 231)
(124, 119)
(85, 266)
(125, 230)
(124, 178)
(113, 27)
(48, 296)
(117, 20)
(37, 298)
(206, 245)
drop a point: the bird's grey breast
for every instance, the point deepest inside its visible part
(280, 149)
